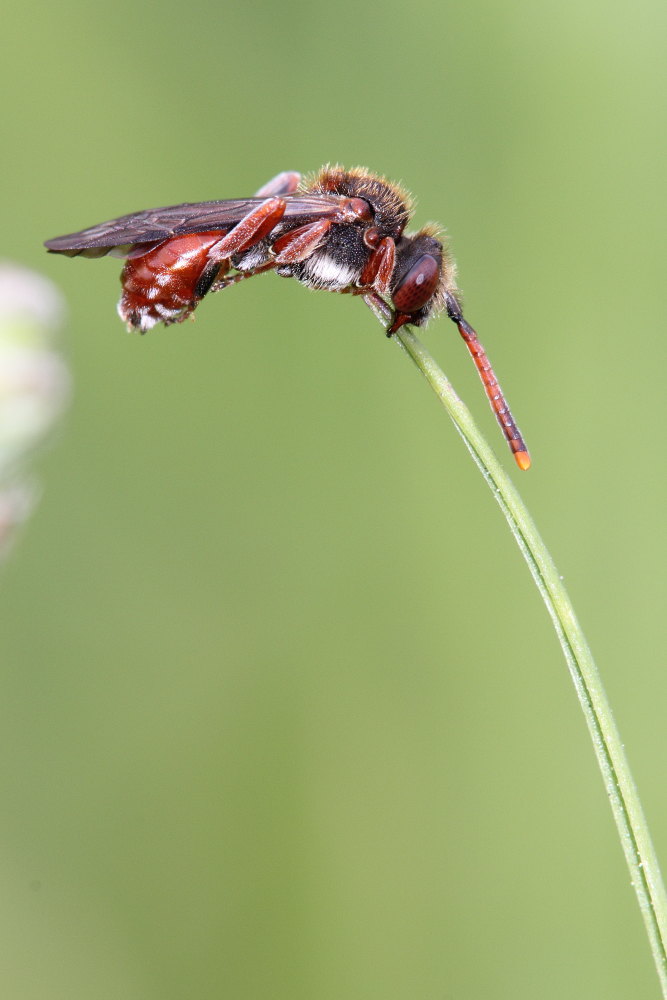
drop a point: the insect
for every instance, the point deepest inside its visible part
(342, 231)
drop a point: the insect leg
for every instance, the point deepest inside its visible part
(233, 279)
(285, 183)
(214, 271)
(378, 307)
(252, 228)
(380, 267)
(300, 243)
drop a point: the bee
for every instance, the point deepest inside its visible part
(340, 231)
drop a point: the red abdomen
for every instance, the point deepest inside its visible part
(161, 285)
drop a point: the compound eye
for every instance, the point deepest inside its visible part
(418, 285)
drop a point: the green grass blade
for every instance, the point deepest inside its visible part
(626, 806)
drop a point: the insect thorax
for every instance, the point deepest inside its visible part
(391, 204)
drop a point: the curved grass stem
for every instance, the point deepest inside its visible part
(626, 806)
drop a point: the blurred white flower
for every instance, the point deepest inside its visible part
(34, 385)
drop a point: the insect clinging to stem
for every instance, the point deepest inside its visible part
(341, 231)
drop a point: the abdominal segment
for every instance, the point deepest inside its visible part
(161, 286)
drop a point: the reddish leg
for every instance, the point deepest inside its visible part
(251, 229)
(378, 307)
(298, 244)
(285, 183)
(234, 279)
(214, 271)
(490, 383)
(380, 267)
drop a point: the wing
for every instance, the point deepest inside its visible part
(158, 224)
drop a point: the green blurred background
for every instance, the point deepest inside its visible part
(283, 715)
